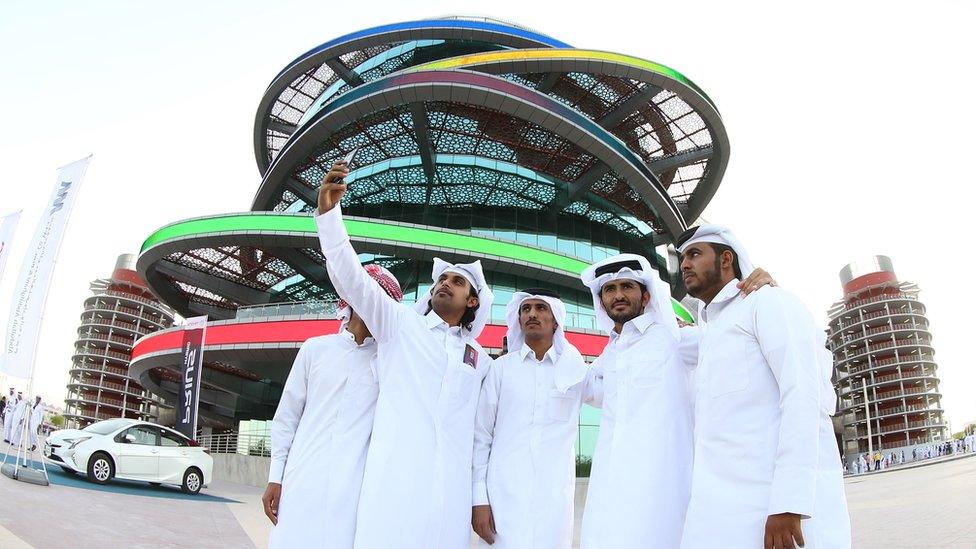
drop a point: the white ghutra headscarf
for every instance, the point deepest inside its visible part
(631, 267)
(473, 273)
(570, 366)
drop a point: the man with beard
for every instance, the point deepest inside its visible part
(765, 458)
(321, 431)
(642, 462)
(641, 476)
(527, 422)
(417, 482)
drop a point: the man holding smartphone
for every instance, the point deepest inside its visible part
(417, 481)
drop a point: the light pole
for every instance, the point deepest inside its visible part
(867, 415)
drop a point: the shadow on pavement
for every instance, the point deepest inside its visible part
(60, 477)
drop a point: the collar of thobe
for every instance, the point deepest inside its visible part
(349, 335)
(474, 274)
(570, 368)
(639, 324)
(638, 268)
(527, 351)
(716, 234)
(725, 294)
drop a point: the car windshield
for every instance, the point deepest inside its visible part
(106, 427)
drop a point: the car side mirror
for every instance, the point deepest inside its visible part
(128, 438)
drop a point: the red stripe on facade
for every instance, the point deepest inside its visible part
(297, 331)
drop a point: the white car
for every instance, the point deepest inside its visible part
(131, 450)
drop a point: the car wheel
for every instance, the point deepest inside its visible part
(100, 468)
(68, 470)
(192, 481)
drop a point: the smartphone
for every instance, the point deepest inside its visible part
(349, 157)
(348, 161)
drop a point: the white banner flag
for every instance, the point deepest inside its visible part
(8, 224)
(30, 293)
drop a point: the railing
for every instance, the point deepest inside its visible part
(140, 299)
(103, 369)
(881, 330)
(867, 349)
(871, 316)
(912, 425)
(79, 350)
(887, 362)
(91, 334)
(117, 308)
(236, 443)
(295, 308)
(904, 375)
(882, 297)
(112, 323)
(890, 412)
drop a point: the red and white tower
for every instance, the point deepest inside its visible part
(884, 365)
(120, 310)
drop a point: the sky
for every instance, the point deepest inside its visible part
(850, 123)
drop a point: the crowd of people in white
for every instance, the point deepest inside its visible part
(18, 413)
(402, 432)
(881, 460)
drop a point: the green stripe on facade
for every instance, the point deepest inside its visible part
(379, 231)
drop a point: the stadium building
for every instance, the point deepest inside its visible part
(884, 364)
(475, 139)
(120, 310)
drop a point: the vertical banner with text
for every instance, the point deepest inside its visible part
(8, 224)
(30, 293)
(194, 335)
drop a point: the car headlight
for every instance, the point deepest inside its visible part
(78, 441)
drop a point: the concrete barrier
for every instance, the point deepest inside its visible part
(241, 469)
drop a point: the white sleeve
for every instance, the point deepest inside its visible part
(688, 345)
(484, 432)
(288, 415)
(787, 337)
(592, 386)
(381, 313)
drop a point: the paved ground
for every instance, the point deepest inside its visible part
(931, 506)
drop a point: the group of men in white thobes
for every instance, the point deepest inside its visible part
(710, 436)
(18, 414)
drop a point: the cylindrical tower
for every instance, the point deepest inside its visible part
(884, 368)
(120, 310)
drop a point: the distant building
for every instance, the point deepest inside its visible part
(884, 364)
(120, 311)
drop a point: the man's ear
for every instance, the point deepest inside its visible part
(645, 298)
(472, 302)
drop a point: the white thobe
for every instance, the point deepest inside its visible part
(17, 429)
(417, 483)
(641, 474)
(524, 463)
(319, 438)
(8, 418)
(36, 418)
(764, 441)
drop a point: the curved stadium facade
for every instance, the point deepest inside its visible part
(476, 139)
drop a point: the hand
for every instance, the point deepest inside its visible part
(270, 499)
(483, 523)
(781, 530)
(756, 279)
(333, 187)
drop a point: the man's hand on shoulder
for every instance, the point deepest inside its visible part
(333, 187)
(756, 279)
